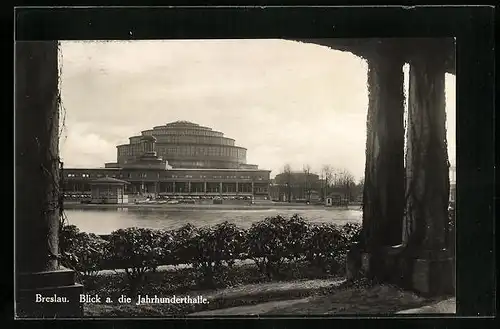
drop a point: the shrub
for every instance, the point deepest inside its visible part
(168, 247)
(322, 246)
(137, 250)
(272, 241)
(83, 252)
(327, 245)
(182, 250)
(296, 230)
(214, 248)
(68, 239)
(229, 243)
(351, 233)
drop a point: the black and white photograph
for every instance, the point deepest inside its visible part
(241, 177)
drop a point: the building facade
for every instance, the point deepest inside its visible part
(185, 171)
(296, 186)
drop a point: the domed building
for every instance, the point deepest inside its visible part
(184, 144)
(179, 159)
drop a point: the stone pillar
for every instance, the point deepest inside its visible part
(252, 188)
(205, 187)
(427, 172)
(220, 188)
(383, 194)
(189, 187)
(173, 187)
(237, 188)
(37, 186)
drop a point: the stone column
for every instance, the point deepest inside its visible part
(427, 171)
(252, 188)
(205, 187)
(38, 187)
(383, 194)
(237, 188)
(220, 188)
(173, 187)
(189, 187)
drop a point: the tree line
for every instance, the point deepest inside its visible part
(328, 180)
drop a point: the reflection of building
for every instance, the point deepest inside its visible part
(194, 160)
(298, 185)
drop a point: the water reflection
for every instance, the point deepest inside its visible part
(104, 221)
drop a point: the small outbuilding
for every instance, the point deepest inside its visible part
(334, 199)
(108, 190)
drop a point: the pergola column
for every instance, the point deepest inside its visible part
(427, 171)
(37, 186)
(383, 195)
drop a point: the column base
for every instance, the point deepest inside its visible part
(51, 294)
(355, 264)
(434, 274)
(431, 273)
(386, 265)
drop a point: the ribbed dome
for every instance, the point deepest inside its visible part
(185, 144)
(182, 123)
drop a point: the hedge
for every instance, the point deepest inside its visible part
(270, 243)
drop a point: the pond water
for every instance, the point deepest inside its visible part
(104, 221)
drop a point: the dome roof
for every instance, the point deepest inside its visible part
(182, 123)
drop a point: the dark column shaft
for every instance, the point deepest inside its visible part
(427, 172)
(37, 162)
(383, 196)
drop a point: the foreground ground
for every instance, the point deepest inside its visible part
(305, 297)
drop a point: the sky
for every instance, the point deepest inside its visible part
(286, 102)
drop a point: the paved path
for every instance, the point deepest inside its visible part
(252, 309)
(164, 268)
(376, 300)
(273, 287)
(448, 306)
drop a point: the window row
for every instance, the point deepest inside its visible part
(194, 140)
(201, 151)
(157, 175)
(184, 132)
(165, 151)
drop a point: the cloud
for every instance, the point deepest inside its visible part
(83, 148)
(286, 102)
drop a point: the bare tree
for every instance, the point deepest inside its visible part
(307, 184)
(327, 173)
(287, 171)
(345, 180)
